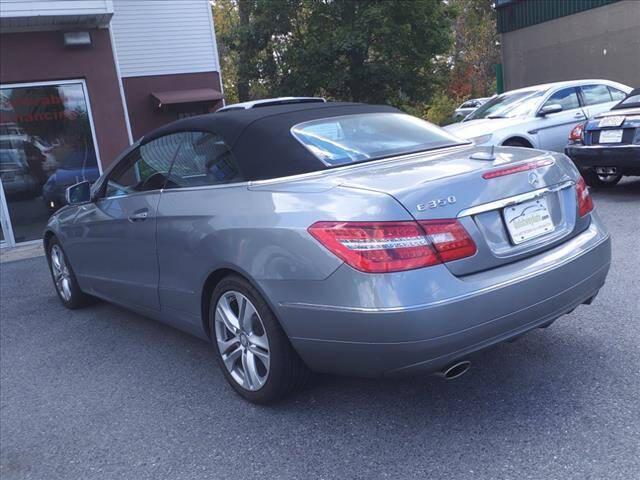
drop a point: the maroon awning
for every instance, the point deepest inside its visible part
(195, 95)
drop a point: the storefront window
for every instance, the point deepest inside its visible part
(46, 145)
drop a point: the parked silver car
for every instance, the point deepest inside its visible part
(540, 116)
(331, 237)
(467, 107)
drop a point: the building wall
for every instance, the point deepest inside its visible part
(144, 114)
(41, 56)
(161, 46)
(603, 42)
(158, 37)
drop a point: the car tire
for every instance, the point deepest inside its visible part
(253, 351)
(595, 180)
(64, 279)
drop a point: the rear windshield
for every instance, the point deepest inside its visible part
(369, 136)
(632, 101)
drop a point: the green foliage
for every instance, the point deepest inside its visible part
(376, 51)
(424, 56)
(225, 21)
(440, 111)
(475, 50)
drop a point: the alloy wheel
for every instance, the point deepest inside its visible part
(61, 275)
(242, 340)
(611, 178)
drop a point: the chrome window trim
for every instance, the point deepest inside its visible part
(244, 183)
(128, 195)
(336, 171)
(505, 202)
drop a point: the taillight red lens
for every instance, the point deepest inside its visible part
(585, 202)
(449, 238)
(501, 172)
(381, 247)
(577, 133)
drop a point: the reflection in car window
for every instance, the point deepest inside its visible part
(617, 94)
(145, 168)
(356, 138)
(567, 98)
(203, 159)
(508, 105)
(631, 101)
(595, 94)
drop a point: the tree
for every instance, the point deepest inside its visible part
(375, 51)
(475, 49)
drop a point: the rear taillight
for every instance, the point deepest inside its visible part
(501, 172)
(381, 247)
(449, 238)
(585, 202)
(577, 133)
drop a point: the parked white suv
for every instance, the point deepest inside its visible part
(540, 116)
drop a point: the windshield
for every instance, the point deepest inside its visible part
(508, 105)
(356, 138)
(632, 101)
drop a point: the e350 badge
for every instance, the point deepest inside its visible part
(438, 202)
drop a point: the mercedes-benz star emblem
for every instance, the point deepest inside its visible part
(534, 180)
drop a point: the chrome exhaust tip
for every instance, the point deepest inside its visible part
(455, 370)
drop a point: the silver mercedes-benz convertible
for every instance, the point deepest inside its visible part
(331, 237)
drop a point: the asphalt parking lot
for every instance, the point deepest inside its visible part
(103, 393)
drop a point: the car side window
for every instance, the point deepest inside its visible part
(203, 159)
(616, 94)
(595, 94)
(567, 98)
(146, 168)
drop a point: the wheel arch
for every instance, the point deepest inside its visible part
(209, 285)
(520, 139)
(48, 235)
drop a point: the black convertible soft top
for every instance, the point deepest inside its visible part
(260, 138)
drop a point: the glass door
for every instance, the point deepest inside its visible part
(6, 235)
(46, 145)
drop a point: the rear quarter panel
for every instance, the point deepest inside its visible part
(259, 232)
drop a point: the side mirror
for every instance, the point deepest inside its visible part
(79, 193)
(551, 108)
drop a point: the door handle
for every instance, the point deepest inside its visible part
(139, 216)
(578, 115)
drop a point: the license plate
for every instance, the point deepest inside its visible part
(614, 121)
(528, 220)
(611, 136)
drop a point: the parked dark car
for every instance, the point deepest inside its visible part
(76, 166)
(17, 180)
(607, 146)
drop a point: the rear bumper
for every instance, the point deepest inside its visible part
(625, 158)
(488, 308)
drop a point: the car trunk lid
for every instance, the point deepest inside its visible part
(485, 190)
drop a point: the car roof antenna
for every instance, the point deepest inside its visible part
(484, 155)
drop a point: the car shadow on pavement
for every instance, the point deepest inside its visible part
(627, 190)
(540, 370)
(544, 371)
(102, 379)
